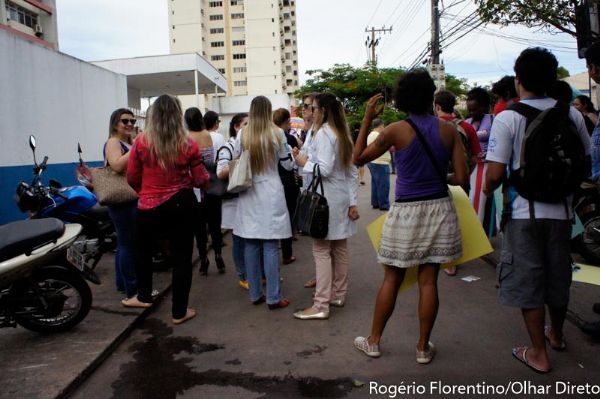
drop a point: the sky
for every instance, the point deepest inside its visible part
(329, 32)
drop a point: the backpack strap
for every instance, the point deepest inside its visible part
(529, 112)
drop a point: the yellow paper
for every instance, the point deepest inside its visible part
(587, 274)
(474, 241)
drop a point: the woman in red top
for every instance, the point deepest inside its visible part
(163, 167)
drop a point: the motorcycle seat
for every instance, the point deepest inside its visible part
(24, 236)
(98, 213)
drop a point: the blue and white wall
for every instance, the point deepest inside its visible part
(59, 99)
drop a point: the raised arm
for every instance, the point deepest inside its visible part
(362, 153)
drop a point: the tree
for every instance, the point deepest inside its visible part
(562, 72)
(555, 15)
(354, 86)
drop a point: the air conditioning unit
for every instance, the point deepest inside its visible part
(38, 30)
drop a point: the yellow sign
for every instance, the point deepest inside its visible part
(474, 241)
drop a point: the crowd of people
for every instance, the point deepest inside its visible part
(172, 163)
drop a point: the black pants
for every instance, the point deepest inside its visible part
(209, 222)
(291, 196)
(172, 220)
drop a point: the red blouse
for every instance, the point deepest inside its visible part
(156, 185)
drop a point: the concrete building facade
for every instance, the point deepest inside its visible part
(251, 42)
(33, 20)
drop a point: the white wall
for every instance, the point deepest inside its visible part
(58, 98)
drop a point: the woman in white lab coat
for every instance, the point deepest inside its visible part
(262, 217)
(332, 152)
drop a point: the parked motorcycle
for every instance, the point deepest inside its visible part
(74, 204)
(587, 208)
(40, 288)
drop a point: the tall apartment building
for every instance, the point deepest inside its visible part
(251, 42)
(34, 20)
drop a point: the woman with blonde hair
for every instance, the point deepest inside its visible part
(164, 165)
(262, 217)
(331, 152)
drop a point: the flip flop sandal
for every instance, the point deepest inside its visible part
(523, 359)
(560, 347)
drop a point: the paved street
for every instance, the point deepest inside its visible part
(233, 349)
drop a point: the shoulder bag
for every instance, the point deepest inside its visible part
(312, 211)
(240, 174)
(110, 187)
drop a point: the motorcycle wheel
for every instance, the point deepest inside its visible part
(588, 248)
(68, 299)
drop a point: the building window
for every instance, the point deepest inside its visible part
(239, 42)
(240, 83)
(218, 17)
(222, 70)
(288, 68)
(288, 42)
(237, 15)
(237, 29)
(217, 57)
(288, 56)
(217, 44)
(239, 69)
(217, 30)
(286, 29)
(21, 15)
(237, 2)
(239, 56)
(286, 15)
(215, 4)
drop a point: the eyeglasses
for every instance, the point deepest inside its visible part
(305, 105)
(128, 121)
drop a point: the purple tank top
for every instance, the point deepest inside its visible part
(415, 174)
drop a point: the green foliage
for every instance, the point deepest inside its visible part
(555, 15)
(354, 86)
(562, 72)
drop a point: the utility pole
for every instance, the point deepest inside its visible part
(435, 32)
(372, 43)
(437, 70)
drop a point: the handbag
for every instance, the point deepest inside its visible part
(217, 187)
(110, 187)
(312, 211)
(240, 173)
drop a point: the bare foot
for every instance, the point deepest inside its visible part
(190, 314)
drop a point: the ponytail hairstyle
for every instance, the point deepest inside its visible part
(164, 132)
(335, 117)
(259, 136)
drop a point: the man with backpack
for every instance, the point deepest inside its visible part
(444, 102)
(539, 150)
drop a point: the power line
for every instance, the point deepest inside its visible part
(374, 12)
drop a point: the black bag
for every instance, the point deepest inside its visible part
(218, 187)
(552, 159)
(312, 212)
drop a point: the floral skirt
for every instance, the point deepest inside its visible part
(419, 232)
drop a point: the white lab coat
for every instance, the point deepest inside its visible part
(261, 210)
(228, 206)
(340, 183)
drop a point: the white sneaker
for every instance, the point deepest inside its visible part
(426, 356)
(363, 345)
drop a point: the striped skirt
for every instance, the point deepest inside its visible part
(415, 233)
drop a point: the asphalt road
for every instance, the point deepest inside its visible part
(233, 349)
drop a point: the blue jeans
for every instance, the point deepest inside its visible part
(123, 218)
(380, 185)
(252, 255)
(237, 251)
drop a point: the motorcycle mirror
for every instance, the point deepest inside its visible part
(32, 146)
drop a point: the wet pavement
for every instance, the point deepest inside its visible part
(234, 349)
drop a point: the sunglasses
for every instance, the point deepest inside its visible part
(305, 105)
(128, 121)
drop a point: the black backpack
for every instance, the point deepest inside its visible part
(552, 159)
